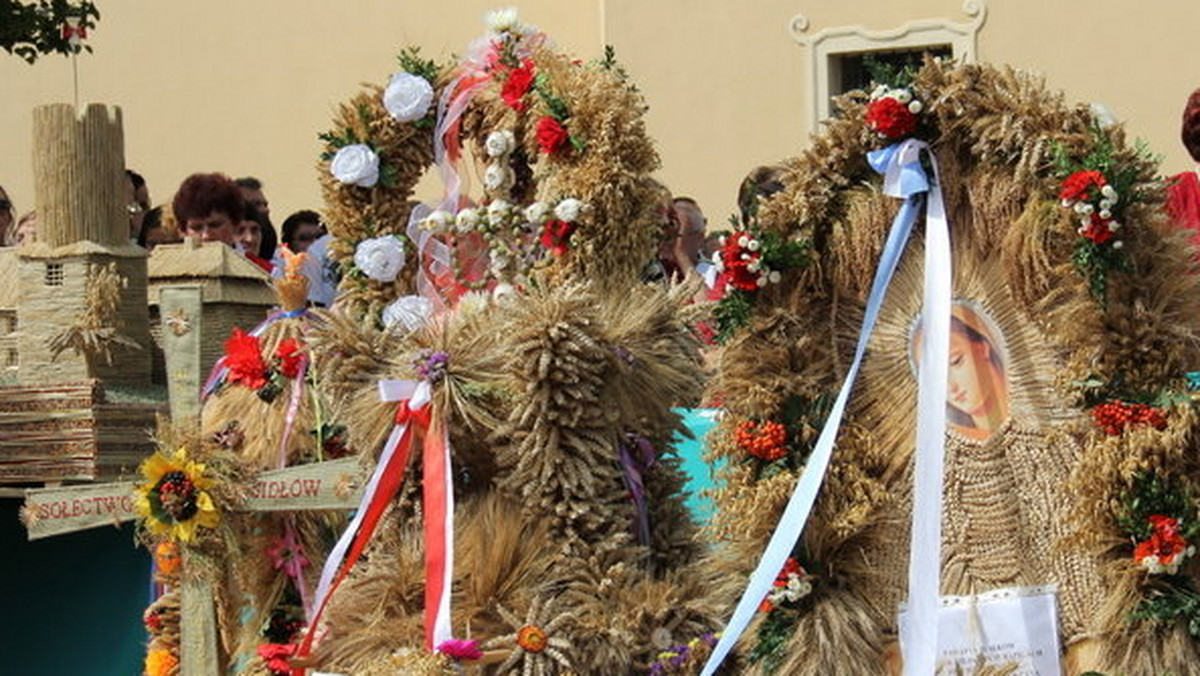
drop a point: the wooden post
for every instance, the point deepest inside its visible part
(79, 175)
(199, 654)
(181, 311)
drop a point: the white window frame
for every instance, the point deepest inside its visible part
(825, 46)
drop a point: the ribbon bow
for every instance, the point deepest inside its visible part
(904, 177)
(74, 33)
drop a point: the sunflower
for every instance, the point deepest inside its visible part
(174, 500)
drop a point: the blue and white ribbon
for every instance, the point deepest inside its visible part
(904, 178)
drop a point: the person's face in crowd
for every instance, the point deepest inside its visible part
(134, 207)
(6, 214)
(26, 230)
(257, 200)
(249, 234)
(305, 235)
(215, 227)
(691, 226)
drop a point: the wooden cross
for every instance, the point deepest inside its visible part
(331, 485)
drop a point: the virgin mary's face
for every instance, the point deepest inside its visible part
(972, 387)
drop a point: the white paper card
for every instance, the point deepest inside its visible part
(1003, 627)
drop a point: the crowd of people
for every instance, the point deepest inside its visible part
(212, 207)
(209, 207)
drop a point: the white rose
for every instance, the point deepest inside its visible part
(774, 277)
(1118, 244)
(915, 107)
(497, 177)
(743, 241)
(355, 164)
(503, 19)
(1109, 192)
(902, 95)
(408, 97)
(880, 92)
(500, 143)
(1114, 226)
(753, 245)
(380, 258)
(466, 220)
(408, 312)
(536, 212)
(1105, 214)
(498, 207)
(568, 210)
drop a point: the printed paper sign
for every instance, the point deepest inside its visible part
(1002, 627)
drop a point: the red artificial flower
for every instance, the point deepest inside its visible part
(1097, 230)
(517, 85)
(889, 117)
(275, 655)
(790, 567)
(244, 360)
(1165, 543)
(290, 358)
(1078, 185)
(556, 236)
(735, 268)
(552, 137)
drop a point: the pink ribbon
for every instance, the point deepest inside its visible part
(287, 555)
(289, 420)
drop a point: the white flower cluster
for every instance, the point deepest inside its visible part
(380, 258)
(750, 251)
(902, 96)
(408, 97)
(499, 176)
(1102, 210)
(1168, 565)
(798, 586)
(500, 216)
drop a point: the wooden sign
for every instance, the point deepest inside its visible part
(336, 484)
(54, 511)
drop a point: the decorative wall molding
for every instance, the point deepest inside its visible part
(831, 42)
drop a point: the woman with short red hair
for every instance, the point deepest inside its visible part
(209, 207)
(1183, 195)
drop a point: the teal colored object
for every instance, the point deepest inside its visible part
(71, 604)
(699, 421)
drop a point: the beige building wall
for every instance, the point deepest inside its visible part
(244, 87)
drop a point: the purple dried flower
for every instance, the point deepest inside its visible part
(431, 365)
